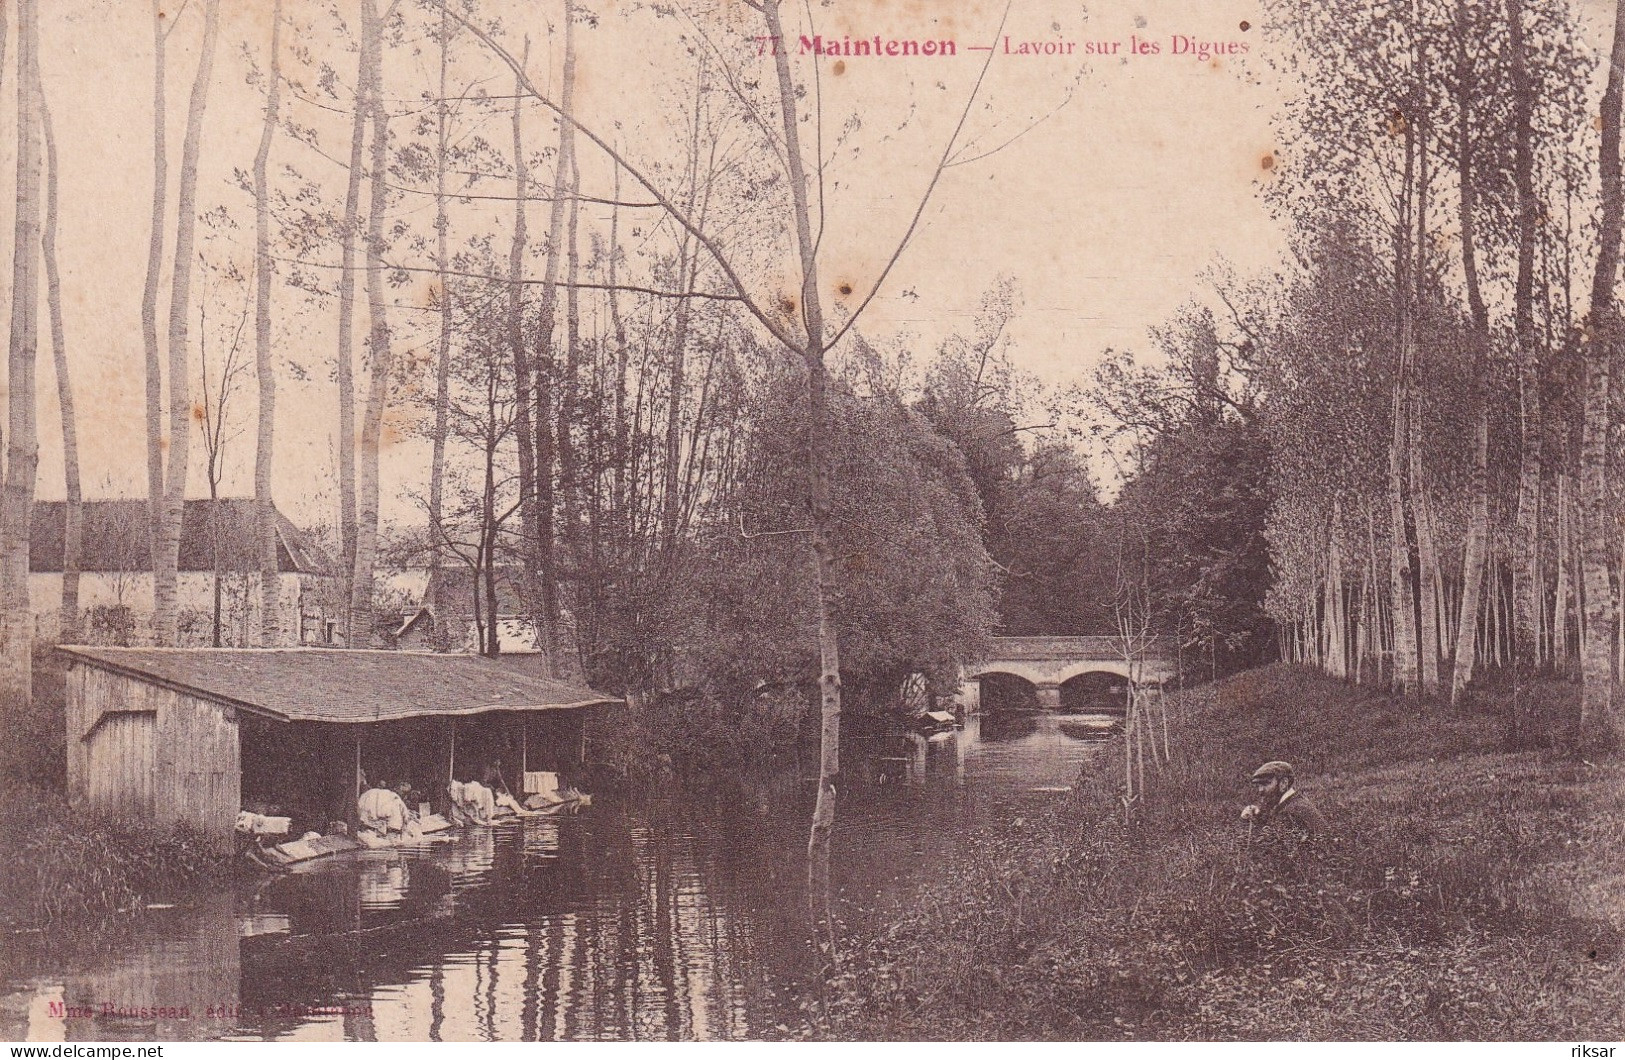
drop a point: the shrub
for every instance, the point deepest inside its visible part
(698, 737)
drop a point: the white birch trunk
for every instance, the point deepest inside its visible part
(180, 303)
(73, 509)
(265, 535)
(379, 346)
(22, 452)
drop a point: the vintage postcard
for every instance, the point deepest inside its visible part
(652, 520)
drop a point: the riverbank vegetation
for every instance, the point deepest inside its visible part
(69, 872)
(1462, 891)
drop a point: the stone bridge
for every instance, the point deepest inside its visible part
(1047, 663)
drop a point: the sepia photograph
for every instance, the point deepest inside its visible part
(812, 521)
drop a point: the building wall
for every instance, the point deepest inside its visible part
(150, 756)
(116, 607)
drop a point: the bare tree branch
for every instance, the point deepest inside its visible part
(919, 211)
(676, 213)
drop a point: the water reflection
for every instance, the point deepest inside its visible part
(657, 919)
(175, 978)
(1011, 725)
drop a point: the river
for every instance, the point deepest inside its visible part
(651, 918)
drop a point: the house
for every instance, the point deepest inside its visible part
(455, 609)
(190, 736)
(217, 567)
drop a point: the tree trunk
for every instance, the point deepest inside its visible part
(679, 353)
(1560, 606)
(442, 362)
(1473, 562)
(819, 485)
(378, 343)
(1478, 528)
(491, 642)
(1402, 603)
(180, 302)
(22, 453)
(265, 531)
(73, 509)
(1526, 589)
(346, 346)
(530, 519)
(1427, 576)
(1429, 640)
(1596, 727)
(546, 361)
(570, 470)
(163, 573)
(217, 553)
(622, 440)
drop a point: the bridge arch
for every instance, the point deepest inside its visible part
(1005, 689)
(1095, 692)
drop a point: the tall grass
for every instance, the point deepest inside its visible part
(63, 869)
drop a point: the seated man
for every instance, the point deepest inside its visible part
(1280, 800)
(383, 811)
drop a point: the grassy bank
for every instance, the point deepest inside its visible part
(68, 872)
(1463, 892)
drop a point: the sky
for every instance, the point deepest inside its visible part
(1117, 180)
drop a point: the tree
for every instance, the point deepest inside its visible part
(541, 536)
(1044, 526)
(214, 419)
(481, 410)
(73, 514)
(22, 455)
(348, 230)
(1597, 724)
(912, 589)
(167, 537)
(264, 371)
(442, 374)
(1189, 524)
(1053, 543)
(1527, 594)
(379, 348)
(163, 574)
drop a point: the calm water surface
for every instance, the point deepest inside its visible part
(654, 918)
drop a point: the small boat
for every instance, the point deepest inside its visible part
(933, 722)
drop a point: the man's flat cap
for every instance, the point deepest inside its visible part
(1272, 769)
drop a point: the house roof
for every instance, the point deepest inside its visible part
(456, 587)
(343, 686)
(115, 538)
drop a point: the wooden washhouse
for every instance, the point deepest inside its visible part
(188, 737)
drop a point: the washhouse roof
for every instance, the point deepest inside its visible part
(343, 686)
